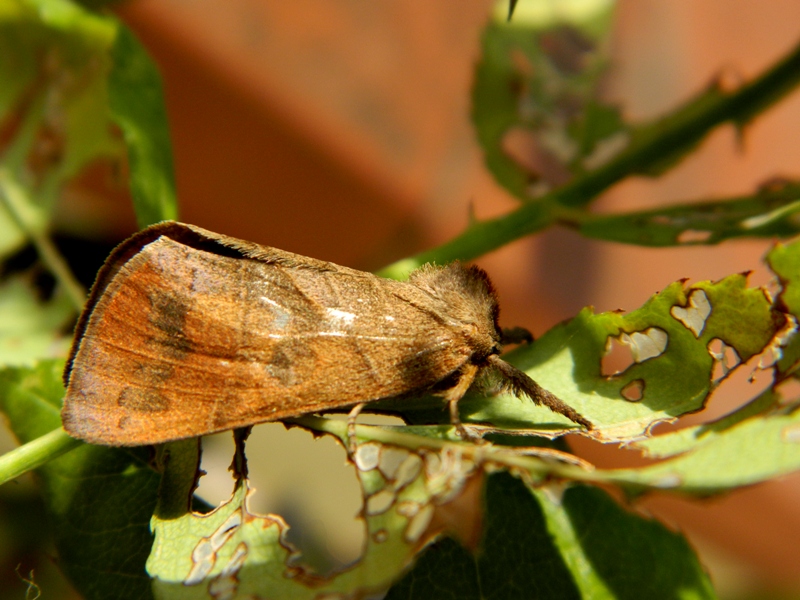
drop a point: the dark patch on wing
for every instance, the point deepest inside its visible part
(152, 372)
(169, 317)
(290, 360)
(280, 366)
(142, 400)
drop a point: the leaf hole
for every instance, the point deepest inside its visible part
(788, 391)
(305, 480)
(636, 347)
(774, 352)
(695, 314)
(617, 358)
(633, 391)
(725, 359)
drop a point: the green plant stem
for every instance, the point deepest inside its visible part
(35, 453)
(510, 457)
(481, 237)
(16, 202)
(684, 128)
(650, 146)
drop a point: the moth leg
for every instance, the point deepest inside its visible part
(454, 394)
(351, 426)
(239, 465)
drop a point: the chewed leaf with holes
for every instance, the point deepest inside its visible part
(758, 442)
(625, 372)
(536, 109)
(784, 260)
(575, 544)
(772, 211)
(72, 81)
(231, 553)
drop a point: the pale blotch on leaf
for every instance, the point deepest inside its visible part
(606, 149)
(633, 391)
(379, 502)
(694, 316)
(390, 460)
(693, 236)
(408, 471)
(670, 480)
(725, 358)
(398, 466)
(646, 344)
(418, 524)
(380, 536)
(204, 555)
(791, 434)
(433, 464)
(367, 456)
(224, 586)
(636, 347)
(447, 481)
(408, 508)
(774, 352)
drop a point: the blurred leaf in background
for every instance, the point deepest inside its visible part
(77, 90)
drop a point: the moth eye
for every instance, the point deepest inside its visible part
(496, 349)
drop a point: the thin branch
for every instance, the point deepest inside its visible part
(16, 202)
(650, 148)
(35, 453)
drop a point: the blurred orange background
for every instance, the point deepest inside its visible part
(341, 131)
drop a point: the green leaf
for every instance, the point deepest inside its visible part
(516, 558)
(539, 74)
(614, 553)
(713, 454)
(407, 493)
(707, 458)
(53, 64)
(583, 545)
(784, 260)
(667, 347)
(31, 330)
(771, 212)
(70, 78)
(99, 500)
(137, 106)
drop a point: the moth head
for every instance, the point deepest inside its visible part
(468, 299)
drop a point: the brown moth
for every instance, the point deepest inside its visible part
(188, 332)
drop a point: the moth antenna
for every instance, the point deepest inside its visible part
(518, 382)
(515, 335)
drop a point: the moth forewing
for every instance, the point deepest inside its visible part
(182, 342)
